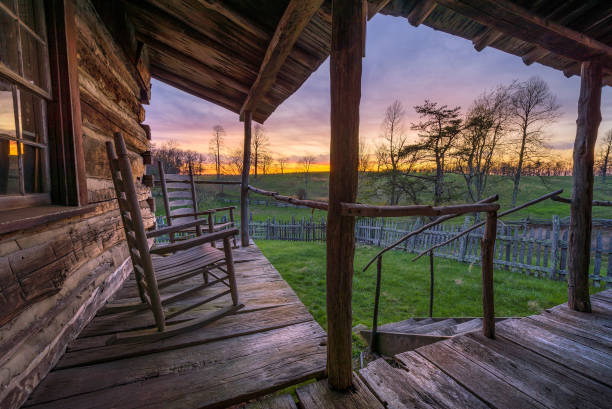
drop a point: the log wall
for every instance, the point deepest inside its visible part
(54, 277)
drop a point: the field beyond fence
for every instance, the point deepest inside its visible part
(538, 249)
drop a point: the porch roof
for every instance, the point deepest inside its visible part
(253, 55)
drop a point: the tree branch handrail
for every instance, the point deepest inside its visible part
(203, 182)
(365, 210)
(313, 204)
(421, 229)
(569, 201)
(500, 215)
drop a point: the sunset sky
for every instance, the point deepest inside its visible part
(402, 62)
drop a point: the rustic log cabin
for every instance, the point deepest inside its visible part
(73, 73)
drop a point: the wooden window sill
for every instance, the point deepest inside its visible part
(25, 218)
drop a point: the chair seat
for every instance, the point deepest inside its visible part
(186, 262)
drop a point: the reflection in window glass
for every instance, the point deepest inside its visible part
(31, 117)
(7, 113)
(9, 168)
(8, 41)
(28, 14)
(33, 166)
(33, 57)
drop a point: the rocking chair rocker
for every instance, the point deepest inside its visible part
(183, 260)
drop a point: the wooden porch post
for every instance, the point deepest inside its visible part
(579, 242)
(244, 189)
(345, 79)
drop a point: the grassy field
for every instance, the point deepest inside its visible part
(289, 184)
(405, 286)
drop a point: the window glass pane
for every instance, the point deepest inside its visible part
(9, 168)
(7, 112)
(31, 117)
(8, 41)
(30, 12)
(34, 62)
(9, 3)
(33, 166)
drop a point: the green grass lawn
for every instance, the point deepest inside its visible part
(405, 286)
(289, 184)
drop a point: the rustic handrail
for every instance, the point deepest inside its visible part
(203, 182)
(439, 220)
(365, 210)
(569, 201)
(502, 214)
(313, 204)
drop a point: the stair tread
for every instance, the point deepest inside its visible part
(459, 328)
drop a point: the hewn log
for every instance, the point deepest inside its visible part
(292, 23)
(513, 20)
(345, 82)
(579, 241)
(244, 189)
(421, 11)
(488, 254)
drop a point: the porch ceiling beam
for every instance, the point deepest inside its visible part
(192, 62)
(295, 18)
(510, 19)
(421, 11)
(375, 7)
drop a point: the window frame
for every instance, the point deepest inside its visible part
(66, 180)
(18, 85)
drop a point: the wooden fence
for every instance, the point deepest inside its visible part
(539, 251)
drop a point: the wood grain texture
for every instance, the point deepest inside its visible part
(345, 82)
(319, 395)
(579, 242)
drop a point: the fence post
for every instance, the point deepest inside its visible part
(597, 266)
(555, 247)
(609, 275)
(464, 240)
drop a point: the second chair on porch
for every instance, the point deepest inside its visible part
(183, 260)
(181, 204)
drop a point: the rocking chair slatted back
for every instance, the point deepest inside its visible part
(133, 226)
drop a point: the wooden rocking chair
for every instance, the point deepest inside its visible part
(185, 259)
(181, 205)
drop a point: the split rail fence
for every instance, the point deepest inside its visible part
(540, 252)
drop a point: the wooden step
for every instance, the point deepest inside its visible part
(273, 402)
(318, 395)
(459, 328)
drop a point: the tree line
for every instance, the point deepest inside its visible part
(501, 133)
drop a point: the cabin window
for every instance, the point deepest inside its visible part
(24, 93)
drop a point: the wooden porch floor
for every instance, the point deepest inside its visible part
(271, 343)
(557, 359)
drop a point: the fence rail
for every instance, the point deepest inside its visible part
(538, 251)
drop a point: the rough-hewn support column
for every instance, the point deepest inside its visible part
(244, 190)
(579, 242)
(345, 79)
(488, 255)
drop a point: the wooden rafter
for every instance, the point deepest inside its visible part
(375, 7)
(294, 20)
(486, 38)
(421, 11)
(513, 20)
(534, 55)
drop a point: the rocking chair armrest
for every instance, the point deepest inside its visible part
(196, 241)
(175, 229)
(220, 209)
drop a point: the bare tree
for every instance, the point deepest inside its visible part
(485, 125)
(439, 133)
(605, 149)
(532, 106)
(235, 161)
(266, 163)
(306, 162)
(216, 144)
(364, 155)
(170, 155)
(282, 163)
(389, 151)
(259, 144)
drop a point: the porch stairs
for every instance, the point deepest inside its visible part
(557, 359)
